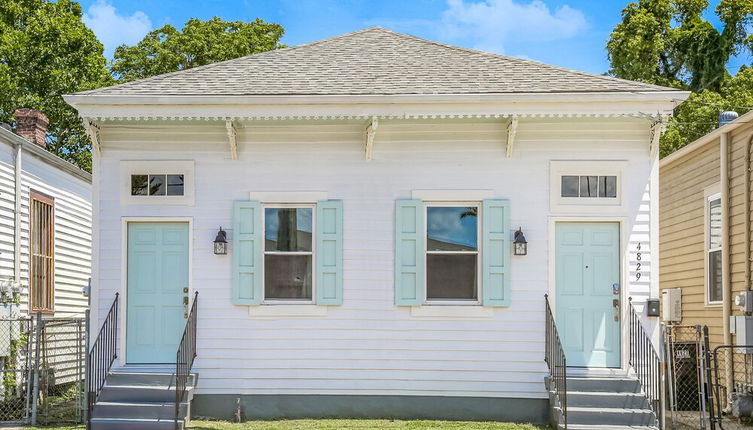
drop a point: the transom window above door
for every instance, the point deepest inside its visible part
(452, 252)
(157, 185)
(590, 186)
(288, 253)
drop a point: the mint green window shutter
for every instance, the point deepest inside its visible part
(410, 280)
(496, 252)
(329, 252)
(248, 241)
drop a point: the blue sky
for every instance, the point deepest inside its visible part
(567, 33)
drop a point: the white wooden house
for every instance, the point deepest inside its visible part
(370, 186)
(45, 224)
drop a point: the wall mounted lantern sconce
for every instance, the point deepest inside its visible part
(220, 243)
(520, 246)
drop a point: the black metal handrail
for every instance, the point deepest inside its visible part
(100, 357)
(645, 360)
(185, 358)
(554, 356)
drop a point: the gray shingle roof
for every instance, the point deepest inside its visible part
(373, 61)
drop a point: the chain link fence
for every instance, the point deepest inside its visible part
(733, 386)
(42, 370)
(687, 376)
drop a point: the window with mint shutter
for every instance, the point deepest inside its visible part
(275, 248)
(448, 252)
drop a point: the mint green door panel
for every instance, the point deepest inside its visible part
(587, 265)
(157, 274)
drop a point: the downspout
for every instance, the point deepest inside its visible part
(746, 207)
(726, 281)
(17, 217)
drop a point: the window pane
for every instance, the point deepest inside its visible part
(715, 224)
(287, 276)
(157, 185)
(451, 276)
(589, 186)
(139, 185)
(287, 229)
(715, 276)
(174, 185)
(452, 228)
(569, 186)
(609, 187)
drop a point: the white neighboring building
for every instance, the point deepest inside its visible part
(55, 266)
(370, 185)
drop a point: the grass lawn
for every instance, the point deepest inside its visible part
(347, 425)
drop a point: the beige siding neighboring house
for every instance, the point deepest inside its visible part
(693, 219)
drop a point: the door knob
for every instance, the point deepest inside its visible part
(185, 300)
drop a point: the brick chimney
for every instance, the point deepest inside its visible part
(32, 124)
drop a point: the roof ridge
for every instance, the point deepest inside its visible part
(518, 59)
(219, 63)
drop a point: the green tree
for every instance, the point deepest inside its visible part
(669, 43)
(199, 42)
(47, 51)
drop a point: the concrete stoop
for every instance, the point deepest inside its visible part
(138, 400)
(603, 403)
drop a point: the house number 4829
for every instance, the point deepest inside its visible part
(638, 265)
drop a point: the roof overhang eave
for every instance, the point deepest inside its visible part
(670, 96)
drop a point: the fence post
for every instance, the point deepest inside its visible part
(86, 369)
(35, 370)
(708, 383)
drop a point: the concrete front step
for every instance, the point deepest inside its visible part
(603, 385)
(606, 400)
(144, 378)
(133, 424)
(137, 393)
(141, 410)
(611, 416)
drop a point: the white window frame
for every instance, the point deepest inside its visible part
(478, 252)
(272, 301)
(129, 168)
(587, 205)
(710, 195)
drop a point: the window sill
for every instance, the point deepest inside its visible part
(274, 311)
(452, 311)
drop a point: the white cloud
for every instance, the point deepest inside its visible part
(490, 24)
(114, 30)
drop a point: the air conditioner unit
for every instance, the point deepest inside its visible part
(672, 305)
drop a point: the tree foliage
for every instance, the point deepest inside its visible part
(670, 43)
(168, 49)
(47, 51)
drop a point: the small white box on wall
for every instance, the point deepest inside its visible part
(672, 305)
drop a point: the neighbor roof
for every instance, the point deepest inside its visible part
(373, 61)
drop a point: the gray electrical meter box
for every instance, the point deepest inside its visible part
(652, 308)
(742, 328)
(745, 301)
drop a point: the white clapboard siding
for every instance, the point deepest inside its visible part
(367, 345)
(73, 228)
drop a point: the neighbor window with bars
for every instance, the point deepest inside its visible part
(42, 252)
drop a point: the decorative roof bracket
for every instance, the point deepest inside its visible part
(231, 138)
(512, 129)
(370, 134)
(92, 130)
(657, 130)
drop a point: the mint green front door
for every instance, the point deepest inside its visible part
(587, 278)
(157, 276)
